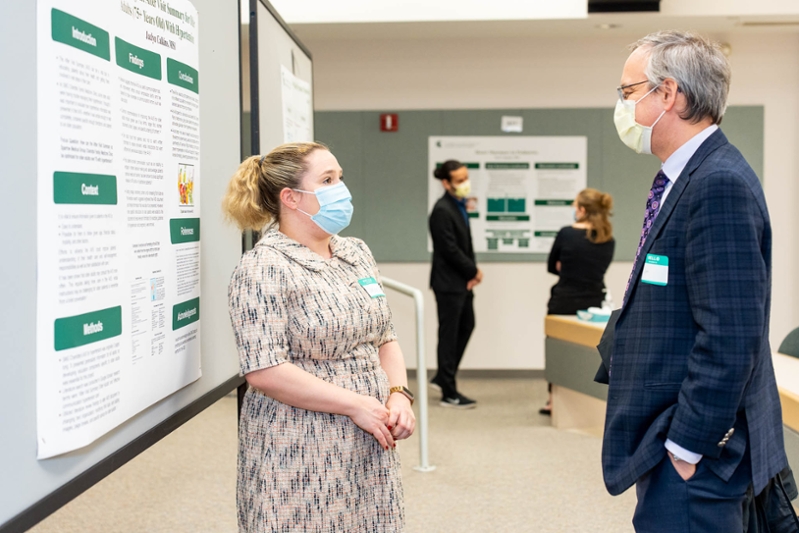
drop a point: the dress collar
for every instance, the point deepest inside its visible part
(340, 247)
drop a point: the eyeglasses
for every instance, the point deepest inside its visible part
(620, 89)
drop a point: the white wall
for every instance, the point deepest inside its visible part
(531, 72)
(324, 11)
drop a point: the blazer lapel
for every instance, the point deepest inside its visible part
(710, 145)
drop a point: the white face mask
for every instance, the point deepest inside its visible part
(462, 190)
(631, 133)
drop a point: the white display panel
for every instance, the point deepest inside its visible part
(285, 85)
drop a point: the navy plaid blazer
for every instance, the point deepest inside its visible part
(691, 360)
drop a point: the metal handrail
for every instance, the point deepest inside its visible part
(421, 368)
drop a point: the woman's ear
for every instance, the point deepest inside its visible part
(289, 198)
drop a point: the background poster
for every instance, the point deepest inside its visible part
(118, 234)
(297, 108)
(522, 187)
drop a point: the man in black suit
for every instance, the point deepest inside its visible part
(452, 278)
(693, 414)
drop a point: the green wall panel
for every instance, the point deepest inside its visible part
(387, 171)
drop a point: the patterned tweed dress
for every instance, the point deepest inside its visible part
(302, 470)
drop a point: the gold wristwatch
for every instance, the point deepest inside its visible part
(402, 390)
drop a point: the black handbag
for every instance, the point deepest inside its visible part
(771, 510)
(605, 348)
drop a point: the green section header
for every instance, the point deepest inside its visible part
(545, 233)
(507, 218)
(507, 166)
(80, 34)
(184, 230)
(79, 330)
(138, 60)
(72, 188)
(185, 313)
(467, 165)
(182, 75)
(554, 202)
(557, 166)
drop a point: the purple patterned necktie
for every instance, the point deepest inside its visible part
(652, 209)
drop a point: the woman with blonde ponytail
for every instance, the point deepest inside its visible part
(328, 397)
(580, 256)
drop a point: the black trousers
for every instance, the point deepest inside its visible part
(455, 326)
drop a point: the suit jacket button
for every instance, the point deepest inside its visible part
(730, 432)
(721, 444)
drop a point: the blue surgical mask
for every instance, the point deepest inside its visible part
(335, 207)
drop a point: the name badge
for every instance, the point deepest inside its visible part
(372, 287)
(656, 270)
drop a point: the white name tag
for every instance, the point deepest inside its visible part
(656, 270)
(372, 287)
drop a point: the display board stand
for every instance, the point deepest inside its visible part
(31, 489)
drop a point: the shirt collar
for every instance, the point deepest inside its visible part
(677, 161)
(340, 247)
(461, 201)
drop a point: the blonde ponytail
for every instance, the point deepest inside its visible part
(597, 207)
(252, 199)
(242, 202)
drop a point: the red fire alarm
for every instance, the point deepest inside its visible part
(389, 122)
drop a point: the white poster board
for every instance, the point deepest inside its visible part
(522, 187)
(118, 238)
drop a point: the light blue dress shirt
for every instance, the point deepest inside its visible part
(675, 164)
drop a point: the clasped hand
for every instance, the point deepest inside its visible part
(386, 423)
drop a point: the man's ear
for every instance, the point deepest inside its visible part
(289, 198)
(670, 93)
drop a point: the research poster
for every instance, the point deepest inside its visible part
(118, 235)
(297, 108)
(522, 188)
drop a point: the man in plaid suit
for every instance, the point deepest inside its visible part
(693, 413)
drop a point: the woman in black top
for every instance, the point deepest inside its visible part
(580, 256)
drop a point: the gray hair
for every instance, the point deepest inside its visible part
(697, 65)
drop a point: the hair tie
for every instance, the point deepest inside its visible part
(262, 158)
